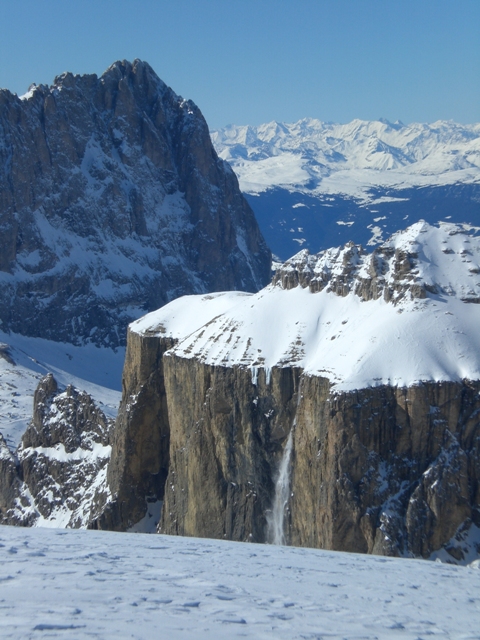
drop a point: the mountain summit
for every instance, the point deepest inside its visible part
(114, 202)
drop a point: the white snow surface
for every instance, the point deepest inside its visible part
(351, 158)
(89, 368)
(352, 342)
(184, 315)
(98, 584)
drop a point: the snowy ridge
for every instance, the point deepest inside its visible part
(314, 156)
(404, 314)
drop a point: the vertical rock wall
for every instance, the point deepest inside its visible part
(380, 470)
(226, 436)
(140, 450)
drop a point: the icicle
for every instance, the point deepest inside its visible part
(268, 375)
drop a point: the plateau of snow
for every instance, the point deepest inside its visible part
(84, 584)
(353, 342)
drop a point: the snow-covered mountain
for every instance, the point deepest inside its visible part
(338, 407)
(113, 202)
(314, 184)
(405, 313)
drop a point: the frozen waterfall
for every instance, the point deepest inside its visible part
(276, 518)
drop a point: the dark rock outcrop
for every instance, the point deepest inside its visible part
(58, 474)
(112, 203)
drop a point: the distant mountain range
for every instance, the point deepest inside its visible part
(315, 185)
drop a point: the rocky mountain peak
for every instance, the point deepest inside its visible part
(421, 260)
(58, 473)
(113, 202)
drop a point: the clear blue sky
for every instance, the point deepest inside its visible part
(253, 61)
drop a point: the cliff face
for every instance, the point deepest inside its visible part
(337, 408)
(226, 442)
(140, 447)
(113, 202)
(384, 470)
(141, 440)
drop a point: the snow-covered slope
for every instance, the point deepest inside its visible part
(186, 314)
(24, 361)
(84, 584)
(314, 184)
(408, 312)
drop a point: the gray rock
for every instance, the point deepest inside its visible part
(58, 474)
(112, 203)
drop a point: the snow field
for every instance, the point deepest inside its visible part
(89, 584)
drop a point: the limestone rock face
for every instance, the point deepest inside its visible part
(141, 439)
(393, 471)
(382, 470)
(58, 475)
(112, 203)
(225, 444)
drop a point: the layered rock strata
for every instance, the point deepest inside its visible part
(380, 396)
(112, 203)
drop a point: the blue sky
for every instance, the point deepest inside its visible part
(248, 62)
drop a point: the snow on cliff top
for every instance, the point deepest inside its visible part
(421, 323)
(185, 315)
